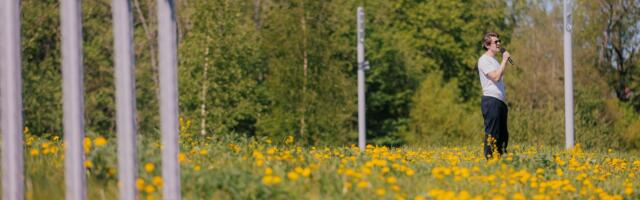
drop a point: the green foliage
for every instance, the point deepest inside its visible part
(408, 39)
(287, 67)
(535, 85)
(439, 117)
(396, 71)
(447, 35)
(41, 71)
(42, 92)
(307, 52)
(225, 95)
(99, 87)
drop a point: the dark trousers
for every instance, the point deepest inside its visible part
(496, 137)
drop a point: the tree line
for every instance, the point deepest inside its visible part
(288, 67)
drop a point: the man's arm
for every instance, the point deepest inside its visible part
(495, 75)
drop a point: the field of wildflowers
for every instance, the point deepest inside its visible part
(261, 168)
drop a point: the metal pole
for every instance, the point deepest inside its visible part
(125, 97)
(73, 90)
(568, 75)
(362, 129)
(167, 43)
(11, 98)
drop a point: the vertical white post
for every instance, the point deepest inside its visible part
(362, 129)
(73, 99)
(167, 42)
(11, 98)
(568, 75)
(125, 97)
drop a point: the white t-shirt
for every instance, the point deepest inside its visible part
(490, 88)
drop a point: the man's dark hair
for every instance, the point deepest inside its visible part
(486, 41)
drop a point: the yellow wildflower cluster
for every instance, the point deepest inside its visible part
(281, 166)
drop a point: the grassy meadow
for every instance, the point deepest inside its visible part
(272, 84)
(228, 167)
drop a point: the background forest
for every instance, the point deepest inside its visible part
(288, 67)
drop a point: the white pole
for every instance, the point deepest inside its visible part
(167, 42)
(568, 75)
(362, 129)
(125, 97)
(72, 69)
(11, 98)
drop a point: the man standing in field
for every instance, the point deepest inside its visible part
(494, 108)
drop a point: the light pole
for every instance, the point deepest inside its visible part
(362, 66)
(167, 43)
(73, 98)
(125, 97)
(11, 101)
(568, 75)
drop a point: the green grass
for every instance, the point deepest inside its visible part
(238, 168)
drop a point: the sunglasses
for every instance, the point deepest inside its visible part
(496, 42)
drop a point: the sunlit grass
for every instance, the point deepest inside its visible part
(261, 168)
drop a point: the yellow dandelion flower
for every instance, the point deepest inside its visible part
(559, 172)
(30, 140)
(436, 193)
(419, 197)
(498, 198)
(518, 196)
(306, 172)
(385, 169)
(271, 150)
(268, 171)
(380, 191)
(541, 196)
(150, 197)
(628, 190)
(259, 162)
(298, 170)
(182, 157)
(149, 189)
(100, 141)
(54, 149)
(267, 180)
(289, 140)
(391, 180)
(363, 184)
(203, 152)
(149, 167)
(140, 183)
(464, 195)
(197, 168)
(111, 171)
(86, 144)
(410, 172)
(276, 179)
(157, 181)
(34, 152)
(293, 176)
(88, 164)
